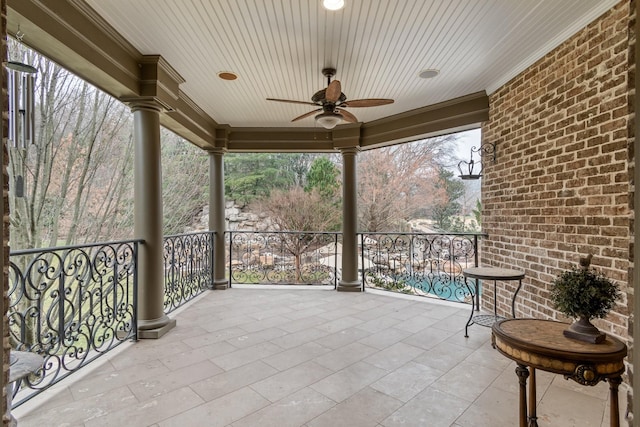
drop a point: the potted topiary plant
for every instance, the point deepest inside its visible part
(584, 294)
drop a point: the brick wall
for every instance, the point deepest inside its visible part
(633, 178)
(559, 188)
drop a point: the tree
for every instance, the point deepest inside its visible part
(323, 177)
(249, 176)
(477, 212)
(76, 176)
(185, 182)
(443, 211)
(395, 183)
(298, 210)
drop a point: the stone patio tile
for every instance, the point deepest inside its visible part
(298, 338)
(246, 355)
(232, 380)
(190, 357)
(494, 408)
(394, 356)
(345, 356)
(431, 408)
(78, 412)
(150, 411)
(163, 383)
(345, 383)
(293, 411)
(102, 382)
(284, 383)
(364, 409)
(219, 412)
(342, 338)
(467, 381)
(384, 338)
(407, 381)
(295, 356)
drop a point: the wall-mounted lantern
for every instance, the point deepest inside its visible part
(473, 169)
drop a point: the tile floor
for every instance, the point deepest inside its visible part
(312, 358)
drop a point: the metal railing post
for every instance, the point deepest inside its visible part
(362, 259)
(135, 291)
(212, 236)
(230, 234)
(335, 262)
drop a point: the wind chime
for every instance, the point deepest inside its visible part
(21, 90)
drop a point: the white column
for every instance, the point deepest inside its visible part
(217, 217)
(152, 322)
(350, 282)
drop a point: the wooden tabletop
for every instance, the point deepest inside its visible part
(541, 344)
(493, 273)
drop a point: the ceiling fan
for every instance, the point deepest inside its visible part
(333, 103)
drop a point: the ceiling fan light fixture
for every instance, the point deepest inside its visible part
(328, 120)
(333, 4)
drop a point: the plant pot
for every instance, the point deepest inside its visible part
(583, 330)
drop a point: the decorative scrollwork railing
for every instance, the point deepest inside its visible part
(283, 257)
(70, 305)
(187, 267)
(426, 264)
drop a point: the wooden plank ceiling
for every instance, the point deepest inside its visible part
(278, 48)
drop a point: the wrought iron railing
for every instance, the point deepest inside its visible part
(426, 264)
(187, 267)
(283, 257)
(70, 305)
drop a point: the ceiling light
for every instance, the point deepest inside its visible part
(328, 119)
(227, 75)
(333, 4)
(428, 73)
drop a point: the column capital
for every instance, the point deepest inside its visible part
(160, 80)
(221, 137)
(349, 150)
(149, 103)
(217, 150)
(347, 136)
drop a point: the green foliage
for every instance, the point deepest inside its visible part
(250, 176)
(443, 212)
(395, 285)
(477, 212)
(323, 176)
(583, 292)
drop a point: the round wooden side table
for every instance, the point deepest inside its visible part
(539, 344)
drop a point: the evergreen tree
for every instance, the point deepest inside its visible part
(443, 212)
(323, 177)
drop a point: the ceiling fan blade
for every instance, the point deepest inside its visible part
(290, 101)
(305, 115)
(348, 117)
(371, 102)
(332, 94)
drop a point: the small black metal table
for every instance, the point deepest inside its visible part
(495, 274)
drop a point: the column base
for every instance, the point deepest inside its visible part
(155, 328)
(220, 284)
(344, 286)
